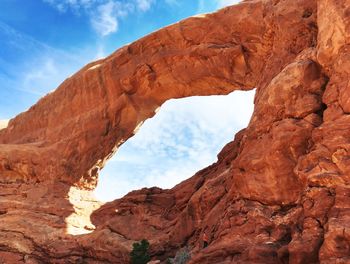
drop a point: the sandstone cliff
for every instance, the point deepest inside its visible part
(279, 193)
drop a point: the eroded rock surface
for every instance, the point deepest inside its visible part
(279, 192)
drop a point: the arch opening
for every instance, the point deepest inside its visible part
(182, 138)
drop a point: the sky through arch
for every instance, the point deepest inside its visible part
(182, 138)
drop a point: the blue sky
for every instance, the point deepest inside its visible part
(42, 42)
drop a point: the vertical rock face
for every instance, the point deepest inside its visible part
(279, 193)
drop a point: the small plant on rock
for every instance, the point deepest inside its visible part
(139, 253)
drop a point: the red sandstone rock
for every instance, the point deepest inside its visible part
(279, 193)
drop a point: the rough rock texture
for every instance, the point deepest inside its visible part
(279, 193)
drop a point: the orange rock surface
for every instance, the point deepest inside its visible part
(279, 193)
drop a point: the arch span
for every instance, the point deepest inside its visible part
(75, 129)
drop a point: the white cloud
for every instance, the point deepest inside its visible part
(49, 67)
(64, 5)
(144, 5)
(37, 77)
(105, 20)
(184, 137)
(104, 15)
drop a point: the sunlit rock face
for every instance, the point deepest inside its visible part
(279, 193)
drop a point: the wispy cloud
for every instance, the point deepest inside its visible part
(35, 78)
(104, 15)
(76, 5)
(35, 69)
(144, 5)
(105, 19)
(184, 137)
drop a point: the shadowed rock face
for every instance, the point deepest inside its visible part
(279, 193)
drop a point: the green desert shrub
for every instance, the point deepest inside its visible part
(139, 253)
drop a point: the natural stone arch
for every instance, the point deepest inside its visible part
(71, 132)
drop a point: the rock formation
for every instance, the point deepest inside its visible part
(279, 193)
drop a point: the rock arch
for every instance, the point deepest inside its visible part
(94, 111)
